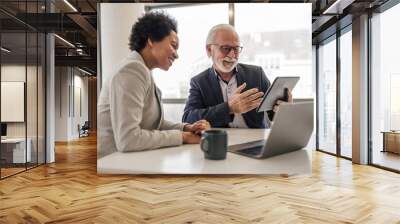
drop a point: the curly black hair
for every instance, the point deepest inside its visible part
(153, 25)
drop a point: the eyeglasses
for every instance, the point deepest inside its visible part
(225, 49)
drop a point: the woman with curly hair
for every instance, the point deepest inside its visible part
(129, 109)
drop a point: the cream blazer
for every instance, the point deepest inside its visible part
(130, 115)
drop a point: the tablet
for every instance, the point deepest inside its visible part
(276, 92)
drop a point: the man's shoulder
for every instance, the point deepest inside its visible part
(202, 75)
(251, 73)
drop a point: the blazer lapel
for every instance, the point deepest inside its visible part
(157, 92)
(215, 86)
(239, 77)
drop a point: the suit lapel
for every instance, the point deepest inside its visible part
(239, 76)
(158, 94)
(157, 91)
(215, 86)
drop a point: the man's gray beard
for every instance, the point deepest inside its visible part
(222, 68)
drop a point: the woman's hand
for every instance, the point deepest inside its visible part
(190, 138)
(197, 126)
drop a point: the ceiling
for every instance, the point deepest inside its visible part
(76, 22)
(77, 25)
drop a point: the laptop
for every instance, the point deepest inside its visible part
(291, 130)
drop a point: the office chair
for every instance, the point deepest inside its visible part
(84, 130)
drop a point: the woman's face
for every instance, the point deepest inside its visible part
(165, 51)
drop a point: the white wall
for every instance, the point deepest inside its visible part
(12, 73)
(69, 82)
(79, 117)
(33, 126)
(82, 82)
(116, 20)
(15, 73)
(61, 103)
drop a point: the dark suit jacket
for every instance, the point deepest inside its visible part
(206, 101)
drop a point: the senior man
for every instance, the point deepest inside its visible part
(228, 93)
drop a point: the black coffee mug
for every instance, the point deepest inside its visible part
(214, 144)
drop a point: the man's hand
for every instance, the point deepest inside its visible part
(243, 102)
(197, 126)
(190, 138)
(288, 99)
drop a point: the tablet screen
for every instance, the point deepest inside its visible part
(277, 92)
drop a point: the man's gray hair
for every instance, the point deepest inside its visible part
(214, 29)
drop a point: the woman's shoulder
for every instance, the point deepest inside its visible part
(135, 61)
(134, 69)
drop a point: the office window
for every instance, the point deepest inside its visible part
(22, 80)
(193, 28)
(282, 49)
(194, 22)
(13, 84)
(346, 94)
(327, 96)
(385, 88)
(41, 87)
(279, 43)
(31, 100)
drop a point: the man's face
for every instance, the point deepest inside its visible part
(224, 50)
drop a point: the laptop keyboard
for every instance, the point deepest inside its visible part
(252, 151)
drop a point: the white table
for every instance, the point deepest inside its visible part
(189, 159)
(19, 155)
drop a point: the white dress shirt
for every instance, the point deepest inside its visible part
(228, 90)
